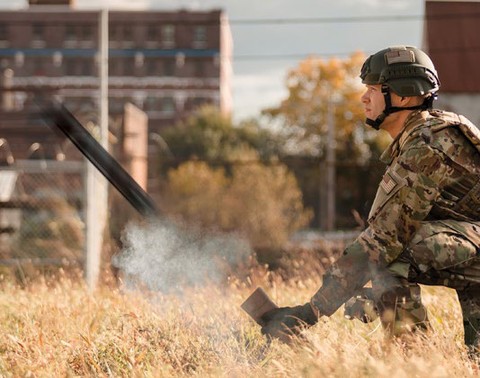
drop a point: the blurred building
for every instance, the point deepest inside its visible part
(165, 63)
(452, 39)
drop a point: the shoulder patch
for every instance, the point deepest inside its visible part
(389, 182)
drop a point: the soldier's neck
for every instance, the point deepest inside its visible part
(395, 122)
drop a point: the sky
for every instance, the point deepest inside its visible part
(287, 31)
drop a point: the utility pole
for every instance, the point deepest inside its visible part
(96, 185)
(331, 169)
(328, 174)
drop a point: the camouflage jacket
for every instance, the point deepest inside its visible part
(433, 173)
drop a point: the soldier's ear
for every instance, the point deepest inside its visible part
(410, 101)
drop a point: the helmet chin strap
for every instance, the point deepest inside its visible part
(389, 109)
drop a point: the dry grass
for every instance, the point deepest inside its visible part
(57, 328)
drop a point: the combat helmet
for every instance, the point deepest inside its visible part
(404, 70)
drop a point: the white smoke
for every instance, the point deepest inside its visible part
(164, 257)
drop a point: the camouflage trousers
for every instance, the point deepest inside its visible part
(445, 253)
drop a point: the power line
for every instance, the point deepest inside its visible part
(293, 56)
(353, 19)
(322, 20)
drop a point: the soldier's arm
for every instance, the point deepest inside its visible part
(404, 199)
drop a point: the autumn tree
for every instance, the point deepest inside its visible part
(260, 202)
(313, 86)
(228, 177)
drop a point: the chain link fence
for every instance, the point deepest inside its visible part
(42, 213)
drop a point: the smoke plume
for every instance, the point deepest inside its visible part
(164, 257)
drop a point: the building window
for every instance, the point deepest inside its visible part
(115, 67)
(169, 67)
(86, 36)
(38, 39)
(86, 67)
(37, 31)
(128, 33)
(152, 33)
(168, 36)
(78, 66)
(151, 67)
(114, 33)
(150, 104)
(128, 65)
(3, 32)
(70, 67)
(199, 68)
(70, 33)
(168, 105)
(199, 37)
(38, 66)
(87, 33)
(3, 35)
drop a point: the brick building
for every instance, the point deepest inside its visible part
(452, 39)
(165, 63)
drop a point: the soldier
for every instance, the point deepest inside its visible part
(424, 225)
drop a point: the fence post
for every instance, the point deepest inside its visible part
(96, 184)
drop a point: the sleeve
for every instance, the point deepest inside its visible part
(404, 199)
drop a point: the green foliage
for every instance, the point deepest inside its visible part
(209, 136)
(227, 177)
(263, 203)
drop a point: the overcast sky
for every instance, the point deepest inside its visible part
(258, 77)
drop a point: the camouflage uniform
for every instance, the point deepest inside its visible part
(424, 227)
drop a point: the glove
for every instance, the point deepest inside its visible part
(361, 307)
(285, 322)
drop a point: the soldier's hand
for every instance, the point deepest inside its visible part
(284, 322)
(361, 307)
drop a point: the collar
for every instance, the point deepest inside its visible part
(414, 121)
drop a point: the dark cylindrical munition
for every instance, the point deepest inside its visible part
(55, 113)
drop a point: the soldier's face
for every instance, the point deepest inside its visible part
(373, 101)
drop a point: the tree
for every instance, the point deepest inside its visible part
(228, 177)
(315, 87)
(209, 136)
(262, 203)
(312, 86)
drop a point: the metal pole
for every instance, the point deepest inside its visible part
(103, 65)
(96, 185)
(330, 155)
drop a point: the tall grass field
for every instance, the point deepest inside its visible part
(56, 327)
(174, 311)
